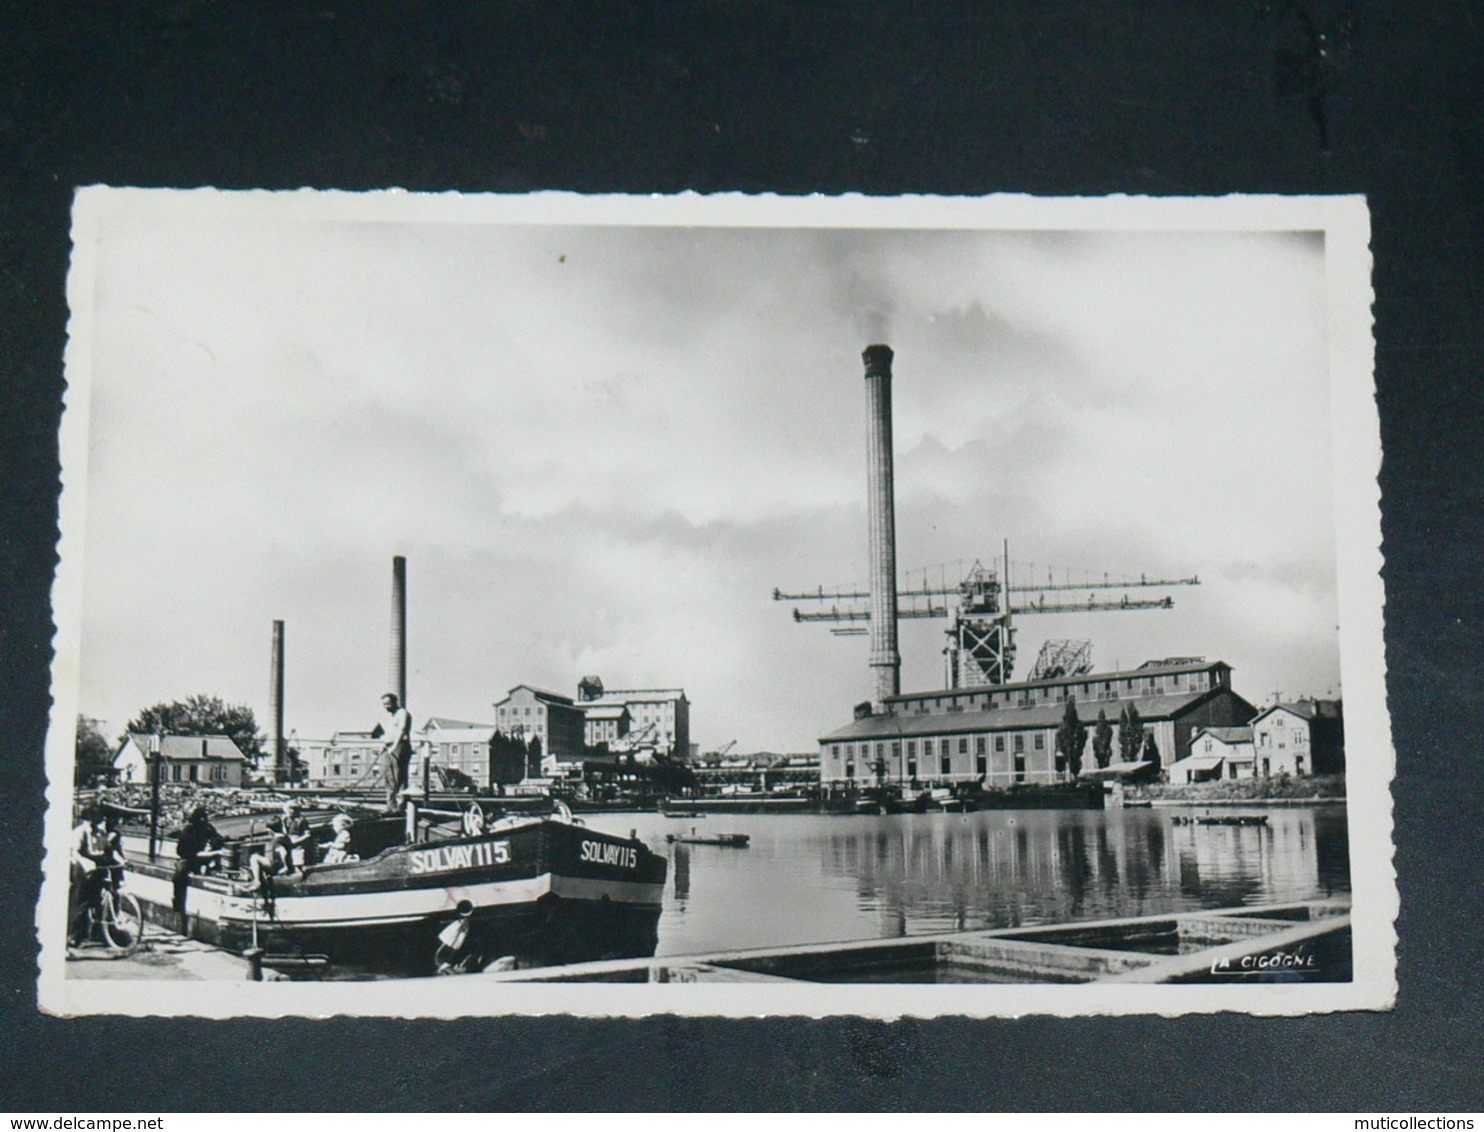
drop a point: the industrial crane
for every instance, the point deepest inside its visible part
(1059, 658)
(981, 638)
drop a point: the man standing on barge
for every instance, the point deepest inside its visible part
(198, 848)
(396, 750)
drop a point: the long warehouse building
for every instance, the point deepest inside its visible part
(1005, 735)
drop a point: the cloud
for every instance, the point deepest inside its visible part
(602, 447)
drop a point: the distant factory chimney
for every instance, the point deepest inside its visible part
(275, 708)
(397, 681)
(885, 659)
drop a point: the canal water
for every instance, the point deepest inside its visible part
(814, 878)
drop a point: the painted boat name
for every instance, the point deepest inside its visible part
(449, 857)
(625, 856)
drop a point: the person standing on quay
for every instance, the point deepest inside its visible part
(396, 749)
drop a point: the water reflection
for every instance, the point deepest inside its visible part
(815, 878)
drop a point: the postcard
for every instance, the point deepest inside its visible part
(741, 605)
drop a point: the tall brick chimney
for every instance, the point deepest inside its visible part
(886, 661)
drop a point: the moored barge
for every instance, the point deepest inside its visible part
(530, 890)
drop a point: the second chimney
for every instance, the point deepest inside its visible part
(398, 677)
(275, 707)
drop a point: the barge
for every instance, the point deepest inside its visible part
(529, 890)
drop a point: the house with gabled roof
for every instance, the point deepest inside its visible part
(213, 760)
(1216, 753)
(1299, 738)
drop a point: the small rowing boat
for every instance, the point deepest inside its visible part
(730, 840)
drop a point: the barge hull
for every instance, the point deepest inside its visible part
(541, 893)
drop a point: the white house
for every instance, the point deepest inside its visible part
(1282, 742)
(1216, 752)
(214, 760)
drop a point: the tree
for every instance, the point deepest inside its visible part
(533, 757)
(1150, 753)
(94, 755)
(1130, 734)
(1071, 738)
(202, 715)
(298, 768)
(507, 760)
(1102, 740)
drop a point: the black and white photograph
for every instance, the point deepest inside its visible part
(608, 605)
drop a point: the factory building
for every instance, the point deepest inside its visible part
(459, 752)
(551, 717)
(1005, 735)
(660, 716)
(349, 759)
(605, 724)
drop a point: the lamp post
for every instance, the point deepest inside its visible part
(427, 771)
(156, 742)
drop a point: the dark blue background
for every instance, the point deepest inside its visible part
(1042, 96)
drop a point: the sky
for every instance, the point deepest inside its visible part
(601, 447)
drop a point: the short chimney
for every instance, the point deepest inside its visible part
(275, 706)
(398, 677)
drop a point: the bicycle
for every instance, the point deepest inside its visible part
(115, 916)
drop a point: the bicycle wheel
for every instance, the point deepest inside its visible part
(123, 921)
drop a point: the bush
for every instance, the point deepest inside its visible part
(1248, 789)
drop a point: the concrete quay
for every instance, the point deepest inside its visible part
(1282, 942)
(163, 955)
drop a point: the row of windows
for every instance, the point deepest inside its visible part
(1295, 737)
(944, 746)
(981, 767)
(191, 772)
(1088, 690)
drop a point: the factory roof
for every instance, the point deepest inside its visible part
(1011, 718)
(625, 694)
(443, 723)
(539, 693)
(1147, 669)
(479, 733)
